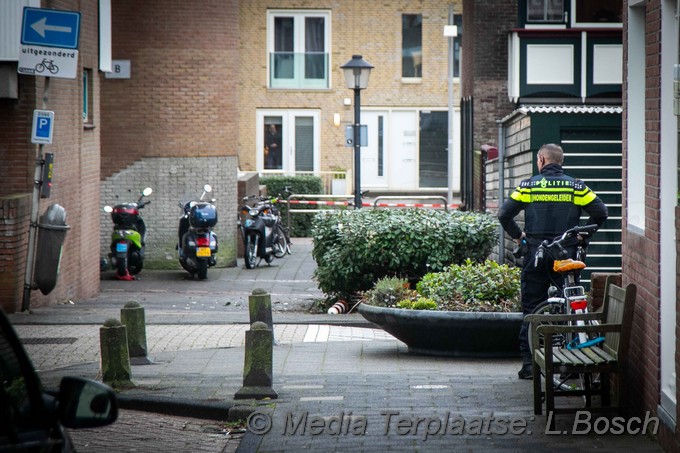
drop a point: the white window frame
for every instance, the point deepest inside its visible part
(299, 43)
(287, 133)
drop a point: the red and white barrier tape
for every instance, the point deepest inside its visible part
(381, 205)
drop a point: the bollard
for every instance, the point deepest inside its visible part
(114, 354)
(260, 307)
(258, 364)
(132, 317)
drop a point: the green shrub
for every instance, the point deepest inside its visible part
(471, 286)
(388, 291)
(300, 223)
(353, 249)
(421, 303)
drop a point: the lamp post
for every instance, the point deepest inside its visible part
(356, 74)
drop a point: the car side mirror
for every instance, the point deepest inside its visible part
(84, 403)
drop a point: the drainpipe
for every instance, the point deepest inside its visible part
(501, 189)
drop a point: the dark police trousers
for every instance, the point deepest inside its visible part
(535, 282)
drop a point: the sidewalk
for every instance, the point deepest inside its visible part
(342, 385)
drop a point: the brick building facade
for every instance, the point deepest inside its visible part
(650, 247)
(394, 106)
(76, 179)
(173, 124)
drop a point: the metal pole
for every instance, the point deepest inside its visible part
(357, 148)
(450, 131)
(35, 208)
(501, 189)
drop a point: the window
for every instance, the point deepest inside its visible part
(412, 45)
(87, 96)
(457, 44)
(273, 156)
(298, 49)
(545, 11)
(433, 161)
(597, 12)
(288, 140)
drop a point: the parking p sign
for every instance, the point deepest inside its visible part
(43, 124)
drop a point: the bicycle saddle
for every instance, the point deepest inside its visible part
(568, 265)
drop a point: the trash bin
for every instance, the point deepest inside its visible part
(51, 234)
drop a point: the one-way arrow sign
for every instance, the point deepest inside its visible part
(50, 28)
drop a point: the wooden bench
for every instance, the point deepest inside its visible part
(609, 357)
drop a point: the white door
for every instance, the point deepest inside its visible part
(288, 140)
(374, 156)
(403, 152)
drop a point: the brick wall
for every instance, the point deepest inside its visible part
(180, 100)
(172, 124)
(485, 57)
(372, 29)
(76, 169)
(173, 179)
(518, 166)
(15, 213)
(640, 249)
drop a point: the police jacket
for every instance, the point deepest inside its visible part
(552, 202)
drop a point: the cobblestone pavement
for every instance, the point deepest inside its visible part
(342, 385)
(57, 346)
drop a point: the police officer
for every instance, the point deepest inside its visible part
(552, 202)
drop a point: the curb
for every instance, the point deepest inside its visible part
(185, 408)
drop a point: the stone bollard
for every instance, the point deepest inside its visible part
(260, 307)
(114, 354)
(132, 317)
(258, 364)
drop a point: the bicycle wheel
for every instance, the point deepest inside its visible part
(560, 382)
(547, 308)
(280, 242)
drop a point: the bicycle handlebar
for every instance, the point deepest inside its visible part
(577, 231)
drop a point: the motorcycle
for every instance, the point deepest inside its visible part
(262, 231)
(197, 246)
(128, 237)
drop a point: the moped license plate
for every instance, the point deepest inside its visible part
(121, 247)
(203, 252)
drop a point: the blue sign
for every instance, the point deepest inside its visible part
(50, 28)
(43, 124)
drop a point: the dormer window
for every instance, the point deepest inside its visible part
(545, 11)
(570, 13)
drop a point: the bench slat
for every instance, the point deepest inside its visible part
(583, 357)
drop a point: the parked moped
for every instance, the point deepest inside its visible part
(262, 231)
(128, 237)
(197, 244)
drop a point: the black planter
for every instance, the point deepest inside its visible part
(450, 333)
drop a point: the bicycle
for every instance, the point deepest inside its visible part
(47, 64)
(567, 296)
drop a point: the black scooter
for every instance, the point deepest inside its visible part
(263, 237)
(197, 244)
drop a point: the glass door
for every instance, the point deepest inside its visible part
(288, 140)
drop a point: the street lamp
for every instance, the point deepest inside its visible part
(356, 74)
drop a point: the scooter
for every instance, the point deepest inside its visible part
(197, 244)
(127, 239)
(262, 234)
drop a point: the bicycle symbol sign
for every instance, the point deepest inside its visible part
(47, 65)
(49, 43)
